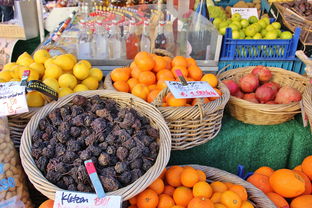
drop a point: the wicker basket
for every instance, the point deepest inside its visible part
(123, 99)
(307, 103)
(196, 125)
(265, 114)
(108, 83)
(256, 196)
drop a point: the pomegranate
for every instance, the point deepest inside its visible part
(249, 83)
(264, 94)
(239, 94)
(275, 87)
(232, 85)
(264, 74)
(251, 97)
(271, 102)
(287, 95)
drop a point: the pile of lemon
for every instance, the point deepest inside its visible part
(62, 73)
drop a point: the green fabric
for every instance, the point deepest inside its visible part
(24, 45)
(278, 146)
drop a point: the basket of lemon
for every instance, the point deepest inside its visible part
(63, 73)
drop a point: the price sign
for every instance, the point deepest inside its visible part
(245, 12)
(12, 99)
(191, 90)
(70, 199)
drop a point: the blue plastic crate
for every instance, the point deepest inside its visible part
(250, 49)
(225, 3)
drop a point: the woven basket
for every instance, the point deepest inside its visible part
(108, 83)
(123, 100)
(265, 114)
(307, 103)
(256, 196)
(196, 125)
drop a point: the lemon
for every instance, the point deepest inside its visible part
(34, 99)
(81, 71)
(15, 80)
(38, 68)
(25, 61)
(21, 70)
(25, 55)
(86, 63)
(8, 66)
(51, 82)
(65, 62)
(15, 71)
(65, 91)
(91, 83)
(72, 57)
(53, 71)
(41, 56)
(80, 88)
(67, 81)
(5, 75)
(34, 75)
(2, 80)
(97, 73)
(48, 62)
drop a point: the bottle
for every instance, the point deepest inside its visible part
(114, 42)
(124, 30)
(101, 41)
(161, 40)
(145, 43)
(183, 37)
(132, 41)
(84, 41)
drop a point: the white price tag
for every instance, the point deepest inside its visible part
(191, 90)
(12, 99)
(245, 12)
(70, 199)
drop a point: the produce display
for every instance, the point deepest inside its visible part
(301, 7)
(179, 187)
(121, 143)
(256, 87)
(285, 187)
(61, 73)
(147, 74)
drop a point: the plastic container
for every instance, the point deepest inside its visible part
(228, 2)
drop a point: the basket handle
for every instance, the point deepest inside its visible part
(162, 52)
(51, 47)
(223, 69)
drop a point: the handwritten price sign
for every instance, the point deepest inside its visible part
(69, 199)
(191, 90)
(12, 99)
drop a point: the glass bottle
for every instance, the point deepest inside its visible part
(145, 44)
(101, 41)
(84, 41)
(183, 38)
(114, 42)
(161, 40)
(124, 32)
(132, 41)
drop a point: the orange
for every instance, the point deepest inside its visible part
(147, 199)
(144, 61)
(190, 62)
(200, 202)
(216, 197)
(218, 186)
(133, 206)
(121, 86)
(287, 183)
(165, 74)
(189, 176)
(304, 201)
(173, 176)
(196, 100)
(247, 204)
(163, 174)
(261, 182)
(308, 187)
(183, 70)
(168, 60)
(218, 205)
(195, 72)
(132, 82)
(47, 204)
(307, 166)
(202, 189)
(169, 190)
(157, 186)
(133, 65)
(177, 206)
(182, 196)
(174, 102)
(165, 201)
(147, 78)
(211, 79)
(141, 91)
(133, 200)
(299, 167)
(201, 175)
(135, 72)
(231, 200)
(214, 98)
(179, 61)
(160, 63)
(120, 74)
(228, 184)
(152, 95)
(264, 170)
(278, 200)
(161, 84)
(127, 69)
(152, 87)
(240, 190)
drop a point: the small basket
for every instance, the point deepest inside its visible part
(196, 125)
(307, 103)
(108, 83)
(123, 99)
(256, 196)
(265, 114)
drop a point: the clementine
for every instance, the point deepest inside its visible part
(231, 199)
(165, 201)
(147, 199)
(218, 186)
(165, 74)
(240, 190)
(307, 166)
(175, 102)
(215, 98)
(200, 202)
(299, 167)
(144, 61)
(189, 176)
(173, 176)
(202, 188)
(160, 63)
(147, 78)
(179, 61)
(278, 200)
(135, 73)
(195, 72)
(183, 70)
(133, 200)
(47, 204)
(190, 61)
(140, 90)
(120, 74)
(169, 190)
(121, 86)
(182, 196)
(265, 170)
(157, 186)
(247, 204)
(211, 79)
(216, 197)
(308, 187)
(261, 182)
(201, 175)
(304, 201)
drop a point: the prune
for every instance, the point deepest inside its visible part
(135, 174)
(128, 121)
(79, 100)
(110, 139)
(103, 145)
(76, 110)
(72, 187)
(48, 151)
(110, 183)
(98, 125)
(96, 107)
(64, 127)
(111, 150)
(35, 152)
(78, 120)
(52, 164)
(77, 162)
(55, 117)
(121, 167)
(65, 111)
(37, 135)
(45, 137)
(95, 99)
(43, 123)
(122, 153)
(53, 176)
(83, 188)
(69, 157)
(147, 164)
(82, 174)
(138, 142)
(61, 167)
(60, 149)
(62, 137)
(136, 164)
(104, 159)
(125, 178)
(85, 155)
(146, 140)
(86, 132)
(96, 151)
(153, 146)
(68, 180)
(129, 144)
(152, 132)
(135, 153)
(73, 145)
(88, 120)
(104, 113)
(137, 124)
(41, 163)
(110, 171)
(90, 139)
(122, 135)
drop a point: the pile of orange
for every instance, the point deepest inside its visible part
(147, 74)
(186, 187)
(285, 187)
